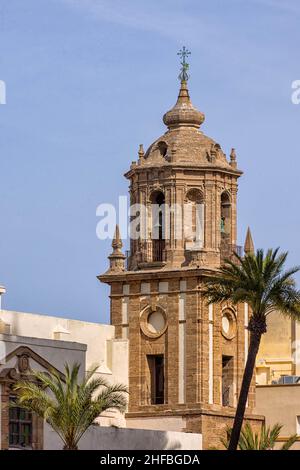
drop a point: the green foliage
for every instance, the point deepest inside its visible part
(258, 280)
(68, 405)
(263, 440)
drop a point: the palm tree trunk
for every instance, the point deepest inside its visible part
(70, 447)
(255, 337)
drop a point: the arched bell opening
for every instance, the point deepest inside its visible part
(194, 219)
(157, 200)
(225, 222)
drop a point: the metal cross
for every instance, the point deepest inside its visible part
(183, 53)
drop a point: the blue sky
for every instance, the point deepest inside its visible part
(88, 81)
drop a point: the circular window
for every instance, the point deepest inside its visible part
(153, 322)
(156, 322)
(228, 324)
(225, 324)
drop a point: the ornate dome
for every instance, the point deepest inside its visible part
(184, 142)
(183, 113)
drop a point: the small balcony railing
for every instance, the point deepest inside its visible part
(227, 249)
(158, 247)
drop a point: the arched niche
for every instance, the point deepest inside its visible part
(194, 219)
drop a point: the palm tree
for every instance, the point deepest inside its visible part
(264, 440)
(71, 406)
(260, 281)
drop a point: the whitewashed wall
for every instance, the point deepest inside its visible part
(102, 348)
(57, 353)
(111, 438)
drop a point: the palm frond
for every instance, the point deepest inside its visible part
(288, 444)
(265, 439)
(258, 280)
(70, 406)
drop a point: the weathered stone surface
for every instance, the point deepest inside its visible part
(183, 159)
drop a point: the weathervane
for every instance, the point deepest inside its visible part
(183, 53)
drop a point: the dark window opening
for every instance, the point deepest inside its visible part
(225, 213)
(158, 235)
(20, 426)
(227, 380)
(163, 148)
(157, 379)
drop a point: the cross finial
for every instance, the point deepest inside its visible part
(183, 53)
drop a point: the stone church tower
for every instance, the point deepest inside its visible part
(186, 358)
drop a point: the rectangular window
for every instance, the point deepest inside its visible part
(227, 380)
(20, 426)
(156, 369)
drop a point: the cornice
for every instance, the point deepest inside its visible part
(192, 167)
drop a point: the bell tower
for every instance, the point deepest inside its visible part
(186, 358)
